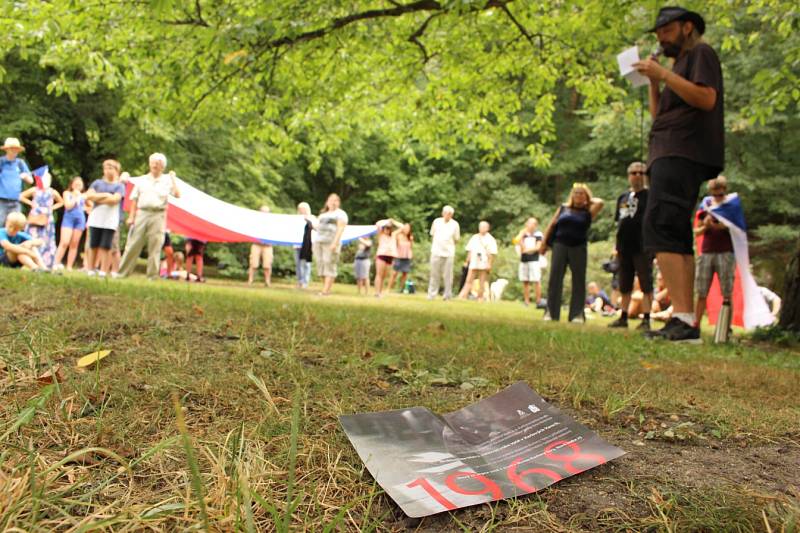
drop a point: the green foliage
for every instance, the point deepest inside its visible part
(493, 107)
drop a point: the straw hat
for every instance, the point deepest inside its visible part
(12, 143)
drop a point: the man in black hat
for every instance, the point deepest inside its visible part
(686, 149)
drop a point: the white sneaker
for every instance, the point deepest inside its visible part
(114, 275)
(101, 274)
(58, 269)
(91, 273)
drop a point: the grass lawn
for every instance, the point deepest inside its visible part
(712, 432)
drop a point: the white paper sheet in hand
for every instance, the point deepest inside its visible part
(626, 60)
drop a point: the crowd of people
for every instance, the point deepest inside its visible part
(654, 219)
(29, 241)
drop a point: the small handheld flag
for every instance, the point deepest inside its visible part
(38, 174)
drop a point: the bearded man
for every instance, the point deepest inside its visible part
(686, 149)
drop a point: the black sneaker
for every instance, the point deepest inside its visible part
(662, 333)
(619, 323)
(683, 332)
(644, 326)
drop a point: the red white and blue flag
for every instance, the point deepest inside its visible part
(750, 309)
(200, 216)
(38, 174)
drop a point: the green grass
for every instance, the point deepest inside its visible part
(712, 431)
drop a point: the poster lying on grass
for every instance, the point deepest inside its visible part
(509, 444)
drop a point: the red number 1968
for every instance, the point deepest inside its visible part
(517, 478)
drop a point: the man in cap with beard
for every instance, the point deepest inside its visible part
(686, 149)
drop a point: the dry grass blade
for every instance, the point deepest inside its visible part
(194, 467)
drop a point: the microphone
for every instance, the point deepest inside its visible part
(657, 51)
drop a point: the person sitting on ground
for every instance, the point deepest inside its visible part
(195, 249)
(597, 301)
(633, 261)
(716, 252)
(481, 252)
(386, 252)
(662, 305)
(330, 227)
(261, 254)
(568, 234)
(72, 224)
(148, 216)
(528, 241)
(43, 202)
(402, 263)
(105, 194)
(18, 248)
(361, 264)
(636, 305)
(13, 171)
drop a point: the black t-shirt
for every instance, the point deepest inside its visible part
(680, 130)
(629, 216)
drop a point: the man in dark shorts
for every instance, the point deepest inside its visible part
(686, 149)
(631, 257)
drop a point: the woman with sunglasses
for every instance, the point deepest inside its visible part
(567, 235)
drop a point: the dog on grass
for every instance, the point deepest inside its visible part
(496, 289)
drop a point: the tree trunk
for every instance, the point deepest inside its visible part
(790, 309)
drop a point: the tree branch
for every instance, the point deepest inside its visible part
(341, 22)
(415, 37)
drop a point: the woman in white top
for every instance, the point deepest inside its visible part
(481, 251)
(328, 244)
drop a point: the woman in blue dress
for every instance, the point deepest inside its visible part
(43, 202)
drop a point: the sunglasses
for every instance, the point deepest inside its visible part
(636, 173)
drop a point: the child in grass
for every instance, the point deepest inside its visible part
(361, 264)
(106, 195)
(17, 248)
(73, 223)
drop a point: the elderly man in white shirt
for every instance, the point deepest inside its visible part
(445, 233)
(148, 216)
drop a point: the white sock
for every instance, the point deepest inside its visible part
(685, 317)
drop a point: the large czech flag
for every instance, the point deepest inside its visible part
(197, 215)
(749, 308)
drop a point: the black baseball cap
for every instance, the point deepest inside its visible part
(669, 14)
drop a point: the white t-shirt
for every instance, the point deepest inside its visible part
(481, 247)
(445, 235)
(327, 225)
(106, 216)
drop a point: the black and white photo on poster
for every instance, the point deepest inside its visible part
(509, 444)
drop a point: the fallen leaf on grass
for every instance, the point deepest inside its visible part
(48, 376)
(649, 366)
(92, 358)
(198, 310)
